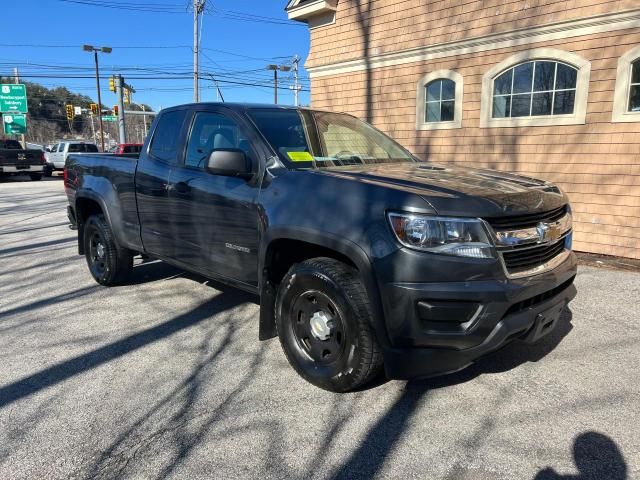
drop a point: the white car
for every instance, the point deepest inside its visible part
(57, 157)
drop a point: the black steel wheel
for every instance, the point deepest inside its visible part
(323, 315)
(108, 263)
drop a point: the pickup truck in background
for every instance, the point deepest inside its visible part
(126, 148)
(15, 160)
(57, 157)
(364, 257)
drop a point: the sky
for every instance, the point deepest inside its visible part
(154, 38)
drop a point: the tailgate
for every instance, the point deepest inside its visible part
(20, 158)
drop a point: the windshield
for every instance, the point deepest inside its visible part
(306, 139)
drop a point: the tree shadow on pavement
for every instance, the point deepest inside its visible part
(55, 374)
(380, 440)
(596, 456)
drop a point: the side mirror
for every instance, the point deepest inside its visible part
(229, 162)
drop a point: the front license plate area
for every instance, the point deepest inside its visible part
(545, 322)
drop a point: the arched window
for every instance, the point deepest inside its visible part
(540, 87)
(626, 98)
(634, 87)
(543, 86)
(439, 101)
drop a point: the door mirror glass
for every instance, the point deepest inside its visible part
(229, 162)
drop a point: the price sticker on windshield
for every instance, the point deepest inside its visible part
(300, 156)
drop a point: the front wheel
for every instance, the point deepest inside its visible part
(108, 263)
(323, 315)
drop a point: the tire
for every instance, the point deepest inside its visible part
(48, 170)
(35, 176)
(108, 263)
(340, 354)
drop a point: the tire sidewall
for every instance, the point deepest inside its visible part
(95, 226)
(337, 375)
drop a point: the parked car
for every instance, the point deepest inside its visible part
(126, 148)
(15, 160)
(363, 256)
(57, 157)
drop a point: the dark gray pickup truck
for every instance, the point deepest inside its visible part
(364, 257)
(15, 160)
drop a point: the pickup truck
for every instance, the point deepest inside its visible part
(364, 257)
(15, 160)
(57, 156)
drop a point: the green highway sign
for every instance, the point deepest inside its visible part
(14, 123)
(109, 118)
(13, 98)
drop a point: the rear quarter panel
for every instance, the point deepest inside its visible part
(108, 180)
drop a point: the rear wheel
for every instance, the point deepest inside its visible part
(48, 170)
(323, 315)
(35, 176)
(108, 263)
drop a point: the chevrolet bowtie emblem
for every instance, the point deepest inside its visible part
(548, 231)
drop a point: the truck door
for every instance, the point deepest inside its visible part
(152, 184)
(218, 214)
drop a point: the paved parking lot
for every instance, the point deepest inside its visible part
(165, 377)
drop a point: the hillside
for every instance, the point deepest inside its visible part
(47, 121)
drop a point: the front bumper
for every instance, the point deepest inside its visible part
(438, 328)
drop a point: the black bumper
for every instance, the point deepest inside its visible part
(447, 326)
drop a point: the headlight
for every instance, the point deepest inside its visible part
(452, 236)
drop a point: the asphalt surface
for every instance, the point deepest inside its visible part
(166, 378)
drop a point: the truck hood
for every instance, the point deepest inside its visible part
(459, 191)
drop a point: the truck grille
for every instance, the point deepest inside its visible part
(528, 220)
(522, 259)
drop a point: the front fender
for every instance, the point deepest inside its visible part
(330, 241)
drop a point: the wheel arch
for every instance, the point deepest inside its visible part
(87, 204)
(301, 244)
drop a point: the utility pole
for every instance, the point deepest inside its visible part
(296, 87)
(120, 86)
(275, 68)
(219, 95)
(91, 48)
(16, 78)
(144, 121)
(198, 8)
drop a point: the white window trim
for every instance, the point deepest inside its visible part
(421, 99)
(582, 90)
(620, 111)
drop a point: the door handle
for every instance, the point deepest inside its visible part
(181, 187)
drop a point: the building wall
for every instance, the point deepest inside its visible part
(597, 163)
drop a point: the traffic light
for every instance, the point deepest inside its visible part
(69, 109)
(112, 84)
(115, 109)
(94, 108)
(127, 95)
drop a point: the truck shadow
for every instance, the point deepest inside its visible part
(507, 358)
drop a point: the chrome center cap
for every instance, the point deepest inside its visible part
(321, 324)
(100, 250)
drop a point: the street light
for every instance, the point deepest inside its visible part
(91, 48)
(275, 68)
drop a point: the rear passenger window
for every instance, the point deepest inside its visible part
(75, 148)
(212, 131)
(90, 148)
(165, 138)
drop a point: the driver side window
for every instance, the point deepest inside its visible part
(212, 131)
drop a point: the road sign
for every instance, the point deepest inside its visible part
(13, 98)
(109, 118)
(14, 124)
(77, 111)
